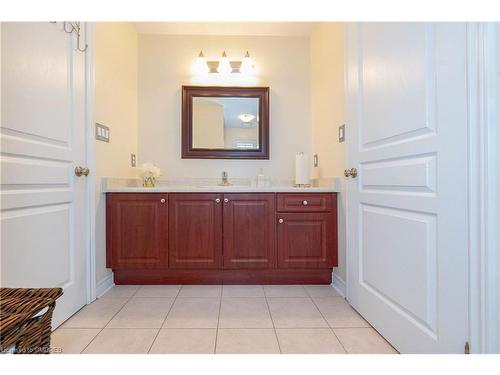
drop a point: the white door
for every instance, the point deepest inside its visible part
(407, 207)
(43, 204)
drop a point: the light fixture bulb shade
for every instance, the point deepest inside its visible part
(247, 65)
(224, 65)
(200, 65)
(246, 117)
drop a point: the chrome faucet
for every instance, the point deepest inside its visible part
(224, 181)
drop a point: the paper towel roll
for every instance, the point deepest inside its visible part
(301, 169)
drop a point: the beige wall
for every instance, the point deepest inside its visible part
(327, 105)
(116, 107)
(165, 63)
(327, 96)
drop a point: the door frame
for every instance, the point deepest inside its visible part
(482, 169)
(90, 149)
(483, 165)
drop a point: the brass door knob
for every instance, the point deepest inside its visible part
(81, 171)
(353, 172)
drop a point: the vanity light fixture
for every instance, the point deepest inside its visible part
(247, 66)
(201, 66)
(224, 64)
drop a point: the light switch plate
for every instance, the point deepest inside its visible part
(342, 133)
(101, 132)
(133, 160)
(316, 160)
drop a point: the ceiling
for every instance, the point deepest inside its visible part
(226, 28)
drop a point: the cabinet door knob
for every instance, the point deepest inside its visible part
(280, 221)
(162, 200)
(217, 200)
(226, 200)
(305, 203)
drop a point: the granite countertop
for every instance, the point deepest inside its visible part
(131, 185)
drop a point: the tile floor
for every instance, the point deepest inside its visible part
(207, 319)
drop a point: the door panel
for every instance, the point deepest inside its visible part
(306, 240)
(407, 125)
(381, 250)
(138, 230)
(405, 68)
(195, 231)
(44, 217)
(249, 231)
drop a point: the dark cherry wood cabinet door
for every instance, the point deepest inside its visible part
(307, 240)
(195, 231)
(249, 239)
(137, 227)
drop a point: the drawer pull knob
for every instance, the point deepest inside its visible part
(226, 200)
(305, 203)
(280, 221)
(217, 200)
(162, 200)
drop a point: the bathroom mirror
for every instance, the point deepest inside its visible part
(225, 122)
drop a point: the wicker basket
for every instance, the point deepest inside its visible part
(25, 319)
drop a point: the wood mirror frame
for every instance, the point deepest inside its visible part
(188, 92)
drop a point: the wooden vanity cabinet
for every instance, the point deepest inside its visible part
(214, 238)
(137, 231)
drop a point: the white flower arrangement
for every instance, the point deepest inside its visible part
(150, 173)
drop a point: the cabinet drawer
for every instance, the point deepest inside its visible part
(304, 202)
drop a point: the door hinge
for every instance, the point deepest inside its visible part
(466, 348)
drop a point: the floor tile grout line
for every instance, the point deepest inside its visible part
(121, 308)
(188, 328)
(164, 320)
(218, 318)
(272, 321)
(329, 326)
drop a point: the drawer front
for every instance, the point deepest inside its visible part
(305, 202)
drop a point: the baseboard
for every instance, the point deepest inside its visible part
(338, 284)
(216, 276)
(104, 285)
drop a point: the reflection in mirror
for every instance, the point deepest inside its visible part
(228, 123)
